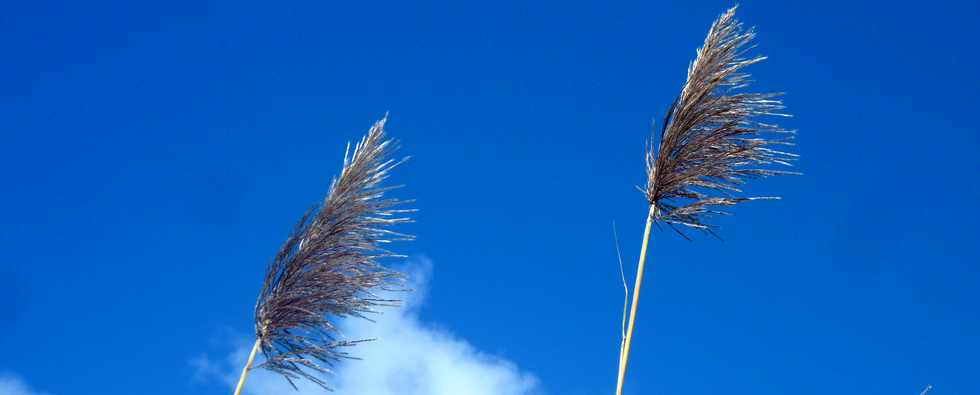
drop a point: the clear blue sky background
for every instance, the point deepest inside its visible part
(153, 157)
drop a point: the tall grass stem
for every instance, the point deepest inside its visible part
(248, 366)
(625, 352)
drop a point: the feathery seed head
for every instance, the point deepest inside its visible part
(329, 266)
(712, 140)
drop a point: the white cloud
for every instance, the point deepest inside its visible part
(13, 385)
(409, 357)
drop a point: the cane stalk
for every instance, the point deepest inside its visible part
(248, 366)
(627, 339)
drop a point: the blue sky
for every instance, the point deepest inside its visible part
(154, 156)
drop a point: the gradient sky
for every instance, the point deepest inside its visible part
(153, 157)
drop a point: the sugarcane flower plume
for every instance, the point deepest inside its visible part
(329, 267)
(713, 137)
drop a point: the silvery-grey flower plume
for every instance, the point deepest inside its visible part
(712, 138)
(328, 268)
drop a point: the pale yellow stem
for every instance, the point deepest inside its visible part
(625, 348)
(248, 365)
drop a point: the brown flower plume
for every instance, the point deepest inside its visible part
(712, 139)
(328, 268)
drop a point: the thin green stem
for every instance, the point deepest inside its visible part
(625, 348)
(248, 365)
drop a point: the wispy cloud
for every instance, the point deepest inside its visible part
(410, 357)
(11, 384)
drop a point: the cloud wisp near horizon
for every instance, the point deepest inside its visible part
(11, 384)
(408, 357)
